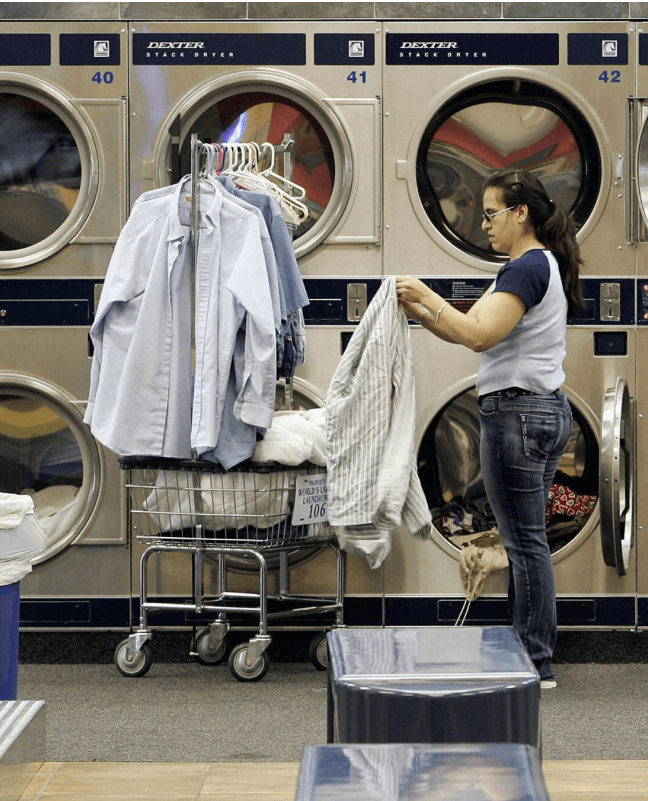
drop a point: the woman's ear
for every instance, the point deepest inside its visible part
(522, 213)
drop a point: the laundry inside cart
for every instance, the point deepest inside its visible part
(255, 503)
(259, 498)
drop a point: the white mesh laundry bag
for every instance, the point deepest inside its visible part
(21, 537)
(219, 500)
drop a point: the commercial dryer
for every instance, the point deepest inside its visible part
(63, 200)
(641, 228)
(256, 82)
(462, 101)
(318, 82)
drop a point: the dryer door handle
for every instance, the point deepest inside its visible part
(616, 483)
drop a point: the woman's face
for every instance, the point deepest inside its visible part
(501, 229)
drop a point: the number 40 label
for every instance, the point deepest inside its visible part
(310, 499)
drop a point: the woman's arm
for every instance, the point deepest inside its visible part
(483, 327)
(421, 314)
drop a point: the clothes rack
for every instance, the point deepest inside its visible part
(196, 507)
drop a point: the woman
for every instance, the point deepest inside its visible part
(519, 326)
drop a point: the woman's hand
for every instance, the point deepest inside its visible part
(411, 290)
(413, 311)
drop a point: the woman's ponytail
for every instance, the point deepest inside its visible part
(553, 226)
(558, 233)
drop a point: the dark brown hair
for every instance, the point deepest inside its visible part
(554, 228)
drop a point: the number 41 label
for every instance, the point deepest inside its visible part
(310, 499)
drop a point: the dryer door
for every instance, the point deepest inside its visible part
(499, 124)
(47, 173)
(450, 472)
(617, 477)
(260, 111)
(47, 452)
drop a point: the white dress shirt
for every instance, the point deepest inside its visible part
(373, 480)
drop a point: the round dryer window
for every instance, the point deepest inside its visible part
(450, 472)
(505, 124)
(44, 176)
(311, 178)
(46, 453)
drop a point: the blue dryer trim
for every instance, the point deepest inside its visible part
(642, 611)
(205, 49)
(102, 613)
(338, 49)
(41, 614)
(25, 49)
(610, 49)
(642, 301)
(373, 610)
(47, 301)
(88, 49)
(328, 298)
(588, 612)
(71, 301)
(450, 49)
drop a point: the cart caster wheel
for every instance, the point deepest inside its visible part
(130, 664)
(240, 669)
(318, 651)
(205, 653)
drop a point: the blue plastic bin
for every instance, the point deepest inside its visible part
(9, 639)
(432, 685)
(395, 772)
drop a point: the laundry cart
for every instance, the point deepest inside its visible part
(256, 510)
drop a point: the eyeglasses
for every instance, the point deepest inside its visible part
(488, 215)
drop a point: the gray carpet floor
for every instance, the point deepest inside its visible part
(184, 712)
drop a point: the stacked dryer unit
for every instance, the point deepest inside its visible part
(453, 101)
(461, 101)
(63, 199)
(641, 223)
(320, 82)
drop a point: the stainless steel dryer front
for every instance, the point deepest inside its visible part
(460, 102)
(233, 82)
(641, 221)
(63, 201)
(320, 82)
(63, 88)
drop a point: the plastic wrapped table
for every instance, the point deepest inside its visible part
(431, 685)
(400, 772)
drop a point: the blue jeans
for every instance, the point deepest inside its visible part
(522, 440)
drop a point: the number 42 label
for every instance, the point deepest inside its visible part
(310, 499)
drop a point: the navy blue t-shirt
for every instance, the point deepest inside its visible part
(526, 277)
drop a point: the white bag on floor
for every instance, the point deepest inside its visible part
(21, 535)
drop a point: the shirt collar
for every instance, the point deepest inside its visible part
(176, 230)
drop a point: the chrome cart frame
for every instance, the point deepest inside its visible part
(195, 508)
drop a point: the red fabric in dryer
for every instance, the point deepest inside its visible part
(564, 501)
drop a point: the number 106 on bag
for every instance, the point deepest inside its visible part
(310, 499)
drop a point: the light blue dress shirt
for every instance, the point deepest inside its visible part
(145, 399)
(293, 289)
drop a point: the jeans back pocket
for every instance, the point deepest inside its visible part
(540, 433)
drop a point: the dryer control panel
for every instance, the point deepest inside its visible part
(340, 302)
(607, 301)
